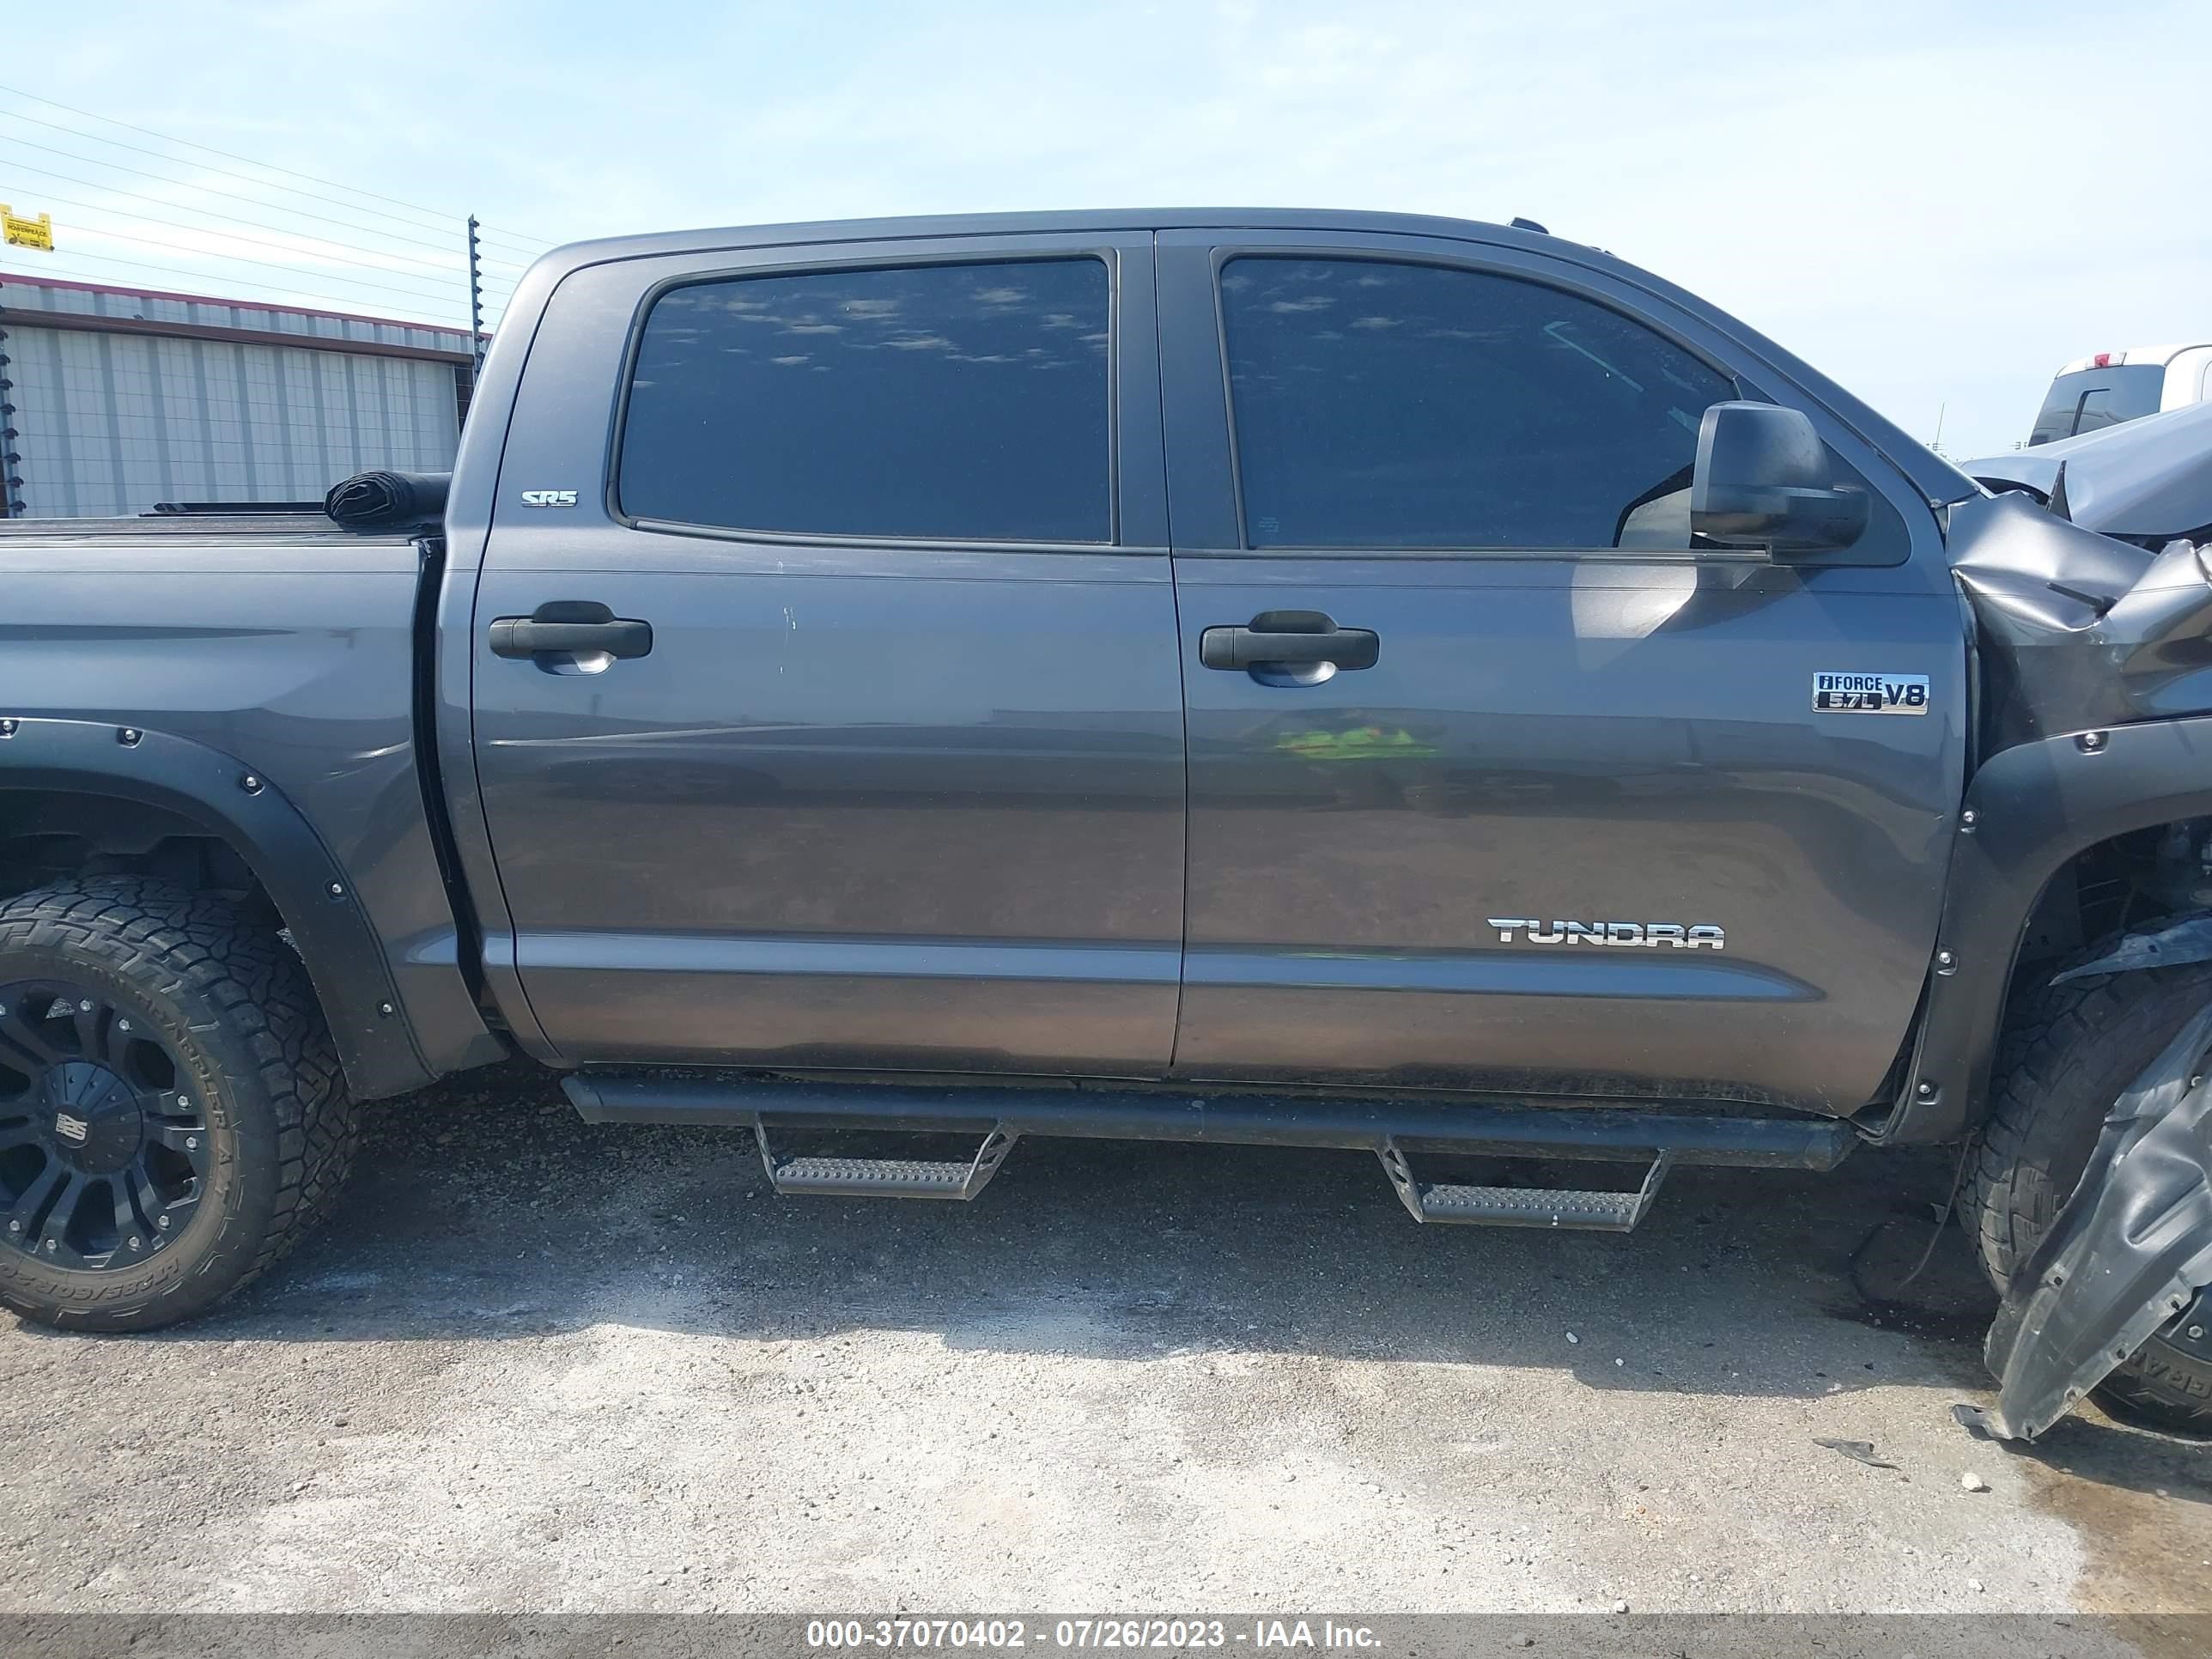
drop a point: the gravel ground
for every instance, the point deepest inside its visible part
(537, 1365)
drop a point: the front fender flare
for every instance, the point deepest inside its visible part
(229, 800)
(2029, 809)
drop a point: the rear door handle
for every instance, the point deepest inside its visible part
(570, 627)
(1297, 638)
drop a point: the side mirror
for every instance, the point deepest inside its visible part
(1763, 479)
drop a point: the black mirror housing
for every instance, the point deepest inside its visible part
(1763, 479)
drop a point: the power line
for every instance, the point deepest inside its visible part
(529, 251)
(459, 268)
(459, 277)
(209, 190)
(170, 138)
(530, 248)
(258, 264)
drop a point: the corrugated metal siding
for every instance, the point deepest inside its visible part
(112, 423)
(59, 299)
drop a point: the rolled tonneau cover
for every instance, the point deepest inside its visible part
(373, 501)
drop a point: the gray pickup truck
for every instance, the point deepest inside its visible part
(1332, 679)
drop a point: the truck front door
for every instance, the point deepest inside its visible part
(827, 707)
(1496, 779)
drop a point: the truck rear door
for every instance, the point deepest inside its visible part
(826, 696)
(1496, 780)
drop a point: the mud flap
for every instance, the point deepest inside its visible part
(2128, 1253)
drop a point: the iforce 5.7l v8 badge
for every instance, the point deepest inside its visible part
(1869, 694)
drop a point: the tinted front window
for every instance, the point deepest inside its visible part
(968, 402)
(1410, 406)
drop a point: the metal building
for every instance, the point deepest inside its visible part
(114, 400)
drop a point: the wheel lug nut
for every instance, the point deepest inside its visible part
(84, 1007)
(192, 1143)
(184, 1100)
(160, 1221)
(134, 1241)
(122, 1025)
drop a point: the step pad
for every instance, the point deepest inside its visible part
(1521, 1206)
(911, 1175)
(885, 1177)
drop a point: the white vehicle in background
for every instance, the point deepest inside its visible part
(2112, 386)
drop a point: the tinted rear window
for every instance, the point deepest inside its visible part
(2092, 397)
(961, 402)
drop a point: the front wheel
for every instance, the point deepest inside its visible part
(172, 1114)
(2067, 1057)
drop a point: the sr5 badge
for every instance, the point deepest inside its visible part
(1869, 694)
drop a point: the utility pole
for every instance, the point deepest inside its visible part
(12, 505)
(475, 298)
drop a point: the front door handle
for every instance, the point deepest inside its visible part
(1293, 638)
(570, 627)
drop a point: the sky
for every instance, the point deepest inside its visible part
(1936, 204)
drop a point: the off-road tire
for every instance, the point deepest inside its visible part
(2067, 1053)
(231, 1000)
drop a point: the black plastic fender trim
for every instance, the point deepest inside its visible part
(2129, 1252)
(2028, 810)
(229, 799)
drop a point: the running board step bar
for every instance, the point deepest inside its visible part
(1508, 1128)
(886, 1177)
(1522, 1206)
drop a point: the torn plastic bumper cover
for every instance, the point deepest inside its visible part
(2130, 1251)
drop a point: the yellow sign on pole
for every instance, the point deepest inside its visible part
(17, 232)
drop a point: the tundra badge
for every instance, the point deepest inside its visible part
(1653, 933)
(1869, 694)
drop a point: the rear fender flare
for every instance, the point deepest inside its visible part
(233, 803)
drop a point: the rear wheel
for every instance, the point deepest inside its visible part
(171, 1115)
(2067, 1057)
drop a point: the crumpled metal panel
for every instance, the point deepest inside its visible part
(2077, 630)
(2173, 945)
(2128, 1253)
(2148, 478)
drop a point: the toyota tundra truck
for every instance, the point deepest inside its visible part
(1330, 679)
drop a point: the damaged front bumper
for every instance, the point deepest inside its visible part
(2131, 1252)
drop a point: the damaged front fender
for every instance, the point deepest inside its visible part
(2129, 1253)
(2078, 631)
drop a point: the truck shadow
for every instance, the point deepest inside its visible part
(485, 1210)
(486, 1207)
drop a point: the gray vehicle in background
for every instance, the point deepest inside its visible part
(1332, 679)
